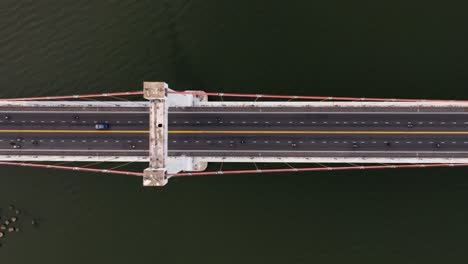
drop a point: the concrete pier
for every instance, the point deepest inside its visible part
(155, 92)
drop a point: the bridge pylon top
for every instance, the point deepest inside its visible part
(156, 92)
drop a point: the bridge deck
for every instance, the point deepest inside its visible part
(295, 132)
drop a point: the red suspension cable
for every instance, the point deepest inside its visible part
(340, 168)
(36, 165)
(328, 98)
(73, 96)
(257, 96)
(206, 173)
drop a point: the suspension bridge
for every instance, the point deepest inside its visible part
(179, 132)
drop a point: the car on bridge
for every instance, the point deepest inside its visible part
(102, 126)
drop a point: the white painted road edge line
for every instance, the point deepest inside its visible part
(315, 151)
(315, 112)
(76, 112)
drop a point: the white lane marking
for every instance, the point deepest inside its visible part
(316, 151)
(309, 112)
(79, 112)
(71, 150)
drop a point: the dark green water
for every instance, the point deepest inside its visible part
(337, 47)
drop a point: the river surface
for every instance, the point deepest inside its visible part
(415, 49)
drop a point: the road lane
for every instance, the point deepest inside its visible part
(435, 134)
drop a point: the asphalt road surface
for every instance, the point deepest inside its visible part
(216, 132)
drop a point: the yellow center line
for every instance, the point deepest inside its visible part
(273, 132)
(75, 131)
(319, 132)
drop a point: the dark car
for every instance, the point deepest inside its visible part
(101, 126)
